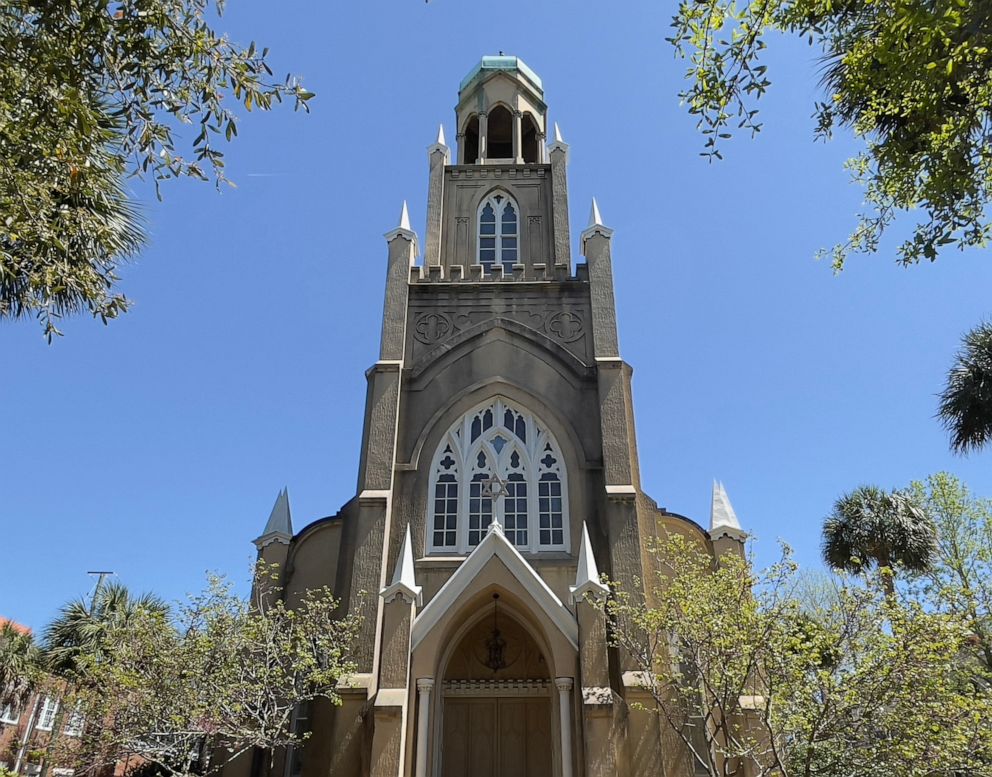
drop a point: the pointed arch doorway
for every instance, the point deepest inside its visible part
(496, 702)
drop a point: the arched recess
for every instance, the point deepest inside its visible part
(470, 140)
(526, 653)
(454, 654)
(504, 721)
(499, 133)
(529, 145)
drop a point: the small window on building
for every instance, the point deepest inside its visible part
(47, 715)
(74, 725)
(499, 233)
(499, 134)
(10, 715)
(470, 142)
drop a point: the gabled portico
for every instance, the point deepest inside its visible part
(495, 598)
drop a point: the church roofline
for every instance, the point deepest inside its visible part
(495, 545)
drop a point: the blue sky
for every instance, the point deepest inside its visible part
(156, 446)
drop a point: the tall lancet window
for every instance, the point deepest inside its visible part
(499, 464)
(499, 232)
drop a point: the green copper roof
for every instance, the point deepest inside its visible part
(502, 62)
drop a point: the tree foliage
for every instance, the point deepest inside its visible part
(81, 630)
(911, 78)
(959, 580)
(966, 402)
(225, 674)
(20, 662)
(871, 527)
(862, 683)
(90, 92)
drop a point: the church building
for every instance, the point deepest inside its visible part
(498, 479)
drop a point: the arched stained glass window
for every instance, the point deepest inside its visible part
(498, 464)
(499, 232)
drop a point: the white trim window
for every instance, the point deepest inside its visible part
(10, 714)
(499, 232)
(74, 723)
(46, 717)
(498, 463)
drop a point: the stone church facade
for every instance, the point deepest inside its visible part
(498, 478)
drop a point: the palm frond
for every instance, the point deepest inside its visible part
(869, 526)
(19, 665)
(965, 407)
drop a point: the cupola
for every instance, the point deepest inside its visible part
(501, 115)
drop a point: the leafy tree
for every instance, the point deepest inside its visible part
(189, 694)
(78, 636)
(80, 630)
(912, 79)
(19, 665)
(90, 92)
(870, 527)
(960, 578)
(966, 401)
(751, 680)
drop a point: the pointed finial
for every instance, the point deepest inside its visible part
(404, 578)
(440, 146)
(404, 231)
(587, 580)
(558, 146)
(723, 519)
(596, 226)
(595, 219)
(404, 564)
(279, 527)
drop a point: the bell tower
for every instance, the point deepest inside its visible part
(498, 475)
(501, 115)
(502, 210)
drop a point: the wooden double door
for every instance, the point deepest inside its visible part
(496, 737)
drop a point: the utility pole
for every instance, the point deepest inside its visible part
(60, 712)
(101, 575)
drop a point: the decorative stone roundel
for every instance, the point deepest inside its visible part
(432, 327)
(565, 325)
(499, 465)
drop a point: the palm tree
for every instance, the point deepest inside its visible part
(870, 527)
(19, 665)
(78, 635)
(966, 401)
(80, 628)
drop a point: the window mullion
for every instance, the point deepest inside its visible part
(465, 476)
(533, 517)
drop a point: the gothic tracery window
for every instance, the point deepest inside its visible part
(499, 232)
(498, 463)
